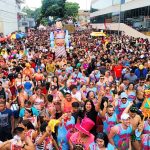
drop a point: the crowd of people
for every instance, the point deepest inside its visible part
(95, 94)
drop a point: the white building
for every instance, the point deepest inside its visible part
(130, 16)
(9, 10)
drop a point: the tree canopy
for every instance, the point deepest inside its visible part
(55, 8)
(71, 9)
(32, 13)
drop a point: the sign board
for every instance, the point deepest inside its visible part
(69, 27)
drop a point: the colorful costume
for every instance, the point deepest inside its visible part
(59, 40)
(146, 104)
(121, 139)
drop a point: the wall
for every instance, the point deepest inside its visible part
(8, 16)
(127, 6)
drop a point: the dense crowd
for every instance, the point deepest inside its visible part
(92, 98)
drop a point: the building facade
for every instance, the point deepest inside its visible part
(84, 16)
(9, 15)
(134, 13)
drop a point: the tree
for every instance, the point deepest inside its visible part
(28, 11)
(71, 9)
(44, 21)
(55, 8)
(37, 13)
(32, 13)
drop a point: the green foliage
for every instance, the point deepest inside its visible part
(71, 9)
(53, 8)
(44, 21)
(29, 12)
(37, 13)
(32, 13)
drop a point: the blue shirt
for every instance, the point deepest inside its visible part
(34, 110)
(62, 132)
(5, 118)
(121, 139)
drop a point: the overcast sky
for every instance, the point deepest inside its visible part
(84, 4)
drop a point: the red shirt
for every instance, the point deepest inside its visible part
(118, 71)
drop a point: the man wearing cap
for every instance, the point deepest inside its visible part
(119, 135)
(135, 120)
(121, 104)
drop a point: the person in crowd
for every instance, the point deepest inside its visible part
(130, 91)
(6, 122)
(119, 135)
(19, 141)
(109, 117)
(83, 135)
(141, 72)
(121, 105)
(29, 129)
(91, 88)
(131, 76)
(38, 99)
(44, 140)
(2, 90)
(135, 121)
(102, 142)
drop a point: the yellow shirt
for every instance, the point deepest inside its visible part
(50, 67)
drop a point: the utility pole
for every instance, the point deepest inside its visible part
(119, 17)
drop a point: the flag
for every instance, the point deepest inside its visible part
(105, 24)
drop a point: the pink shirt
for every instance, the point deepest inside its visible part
(76, 139)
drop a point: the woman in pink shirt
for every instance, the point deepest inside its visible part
(83, 135)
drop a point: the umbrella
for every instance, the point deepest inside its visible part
(23, 34)
(2, 39)
(13, 36)
(98, 34)
(18, 36)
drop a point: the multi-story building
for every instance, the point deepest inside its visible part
(8, 16)
(130, 16)
(84, 16)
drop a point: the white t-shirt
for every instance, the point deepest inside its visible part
(77, 96)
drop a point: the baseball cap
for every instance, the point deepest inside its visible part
(125, 116)
(124, 95)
